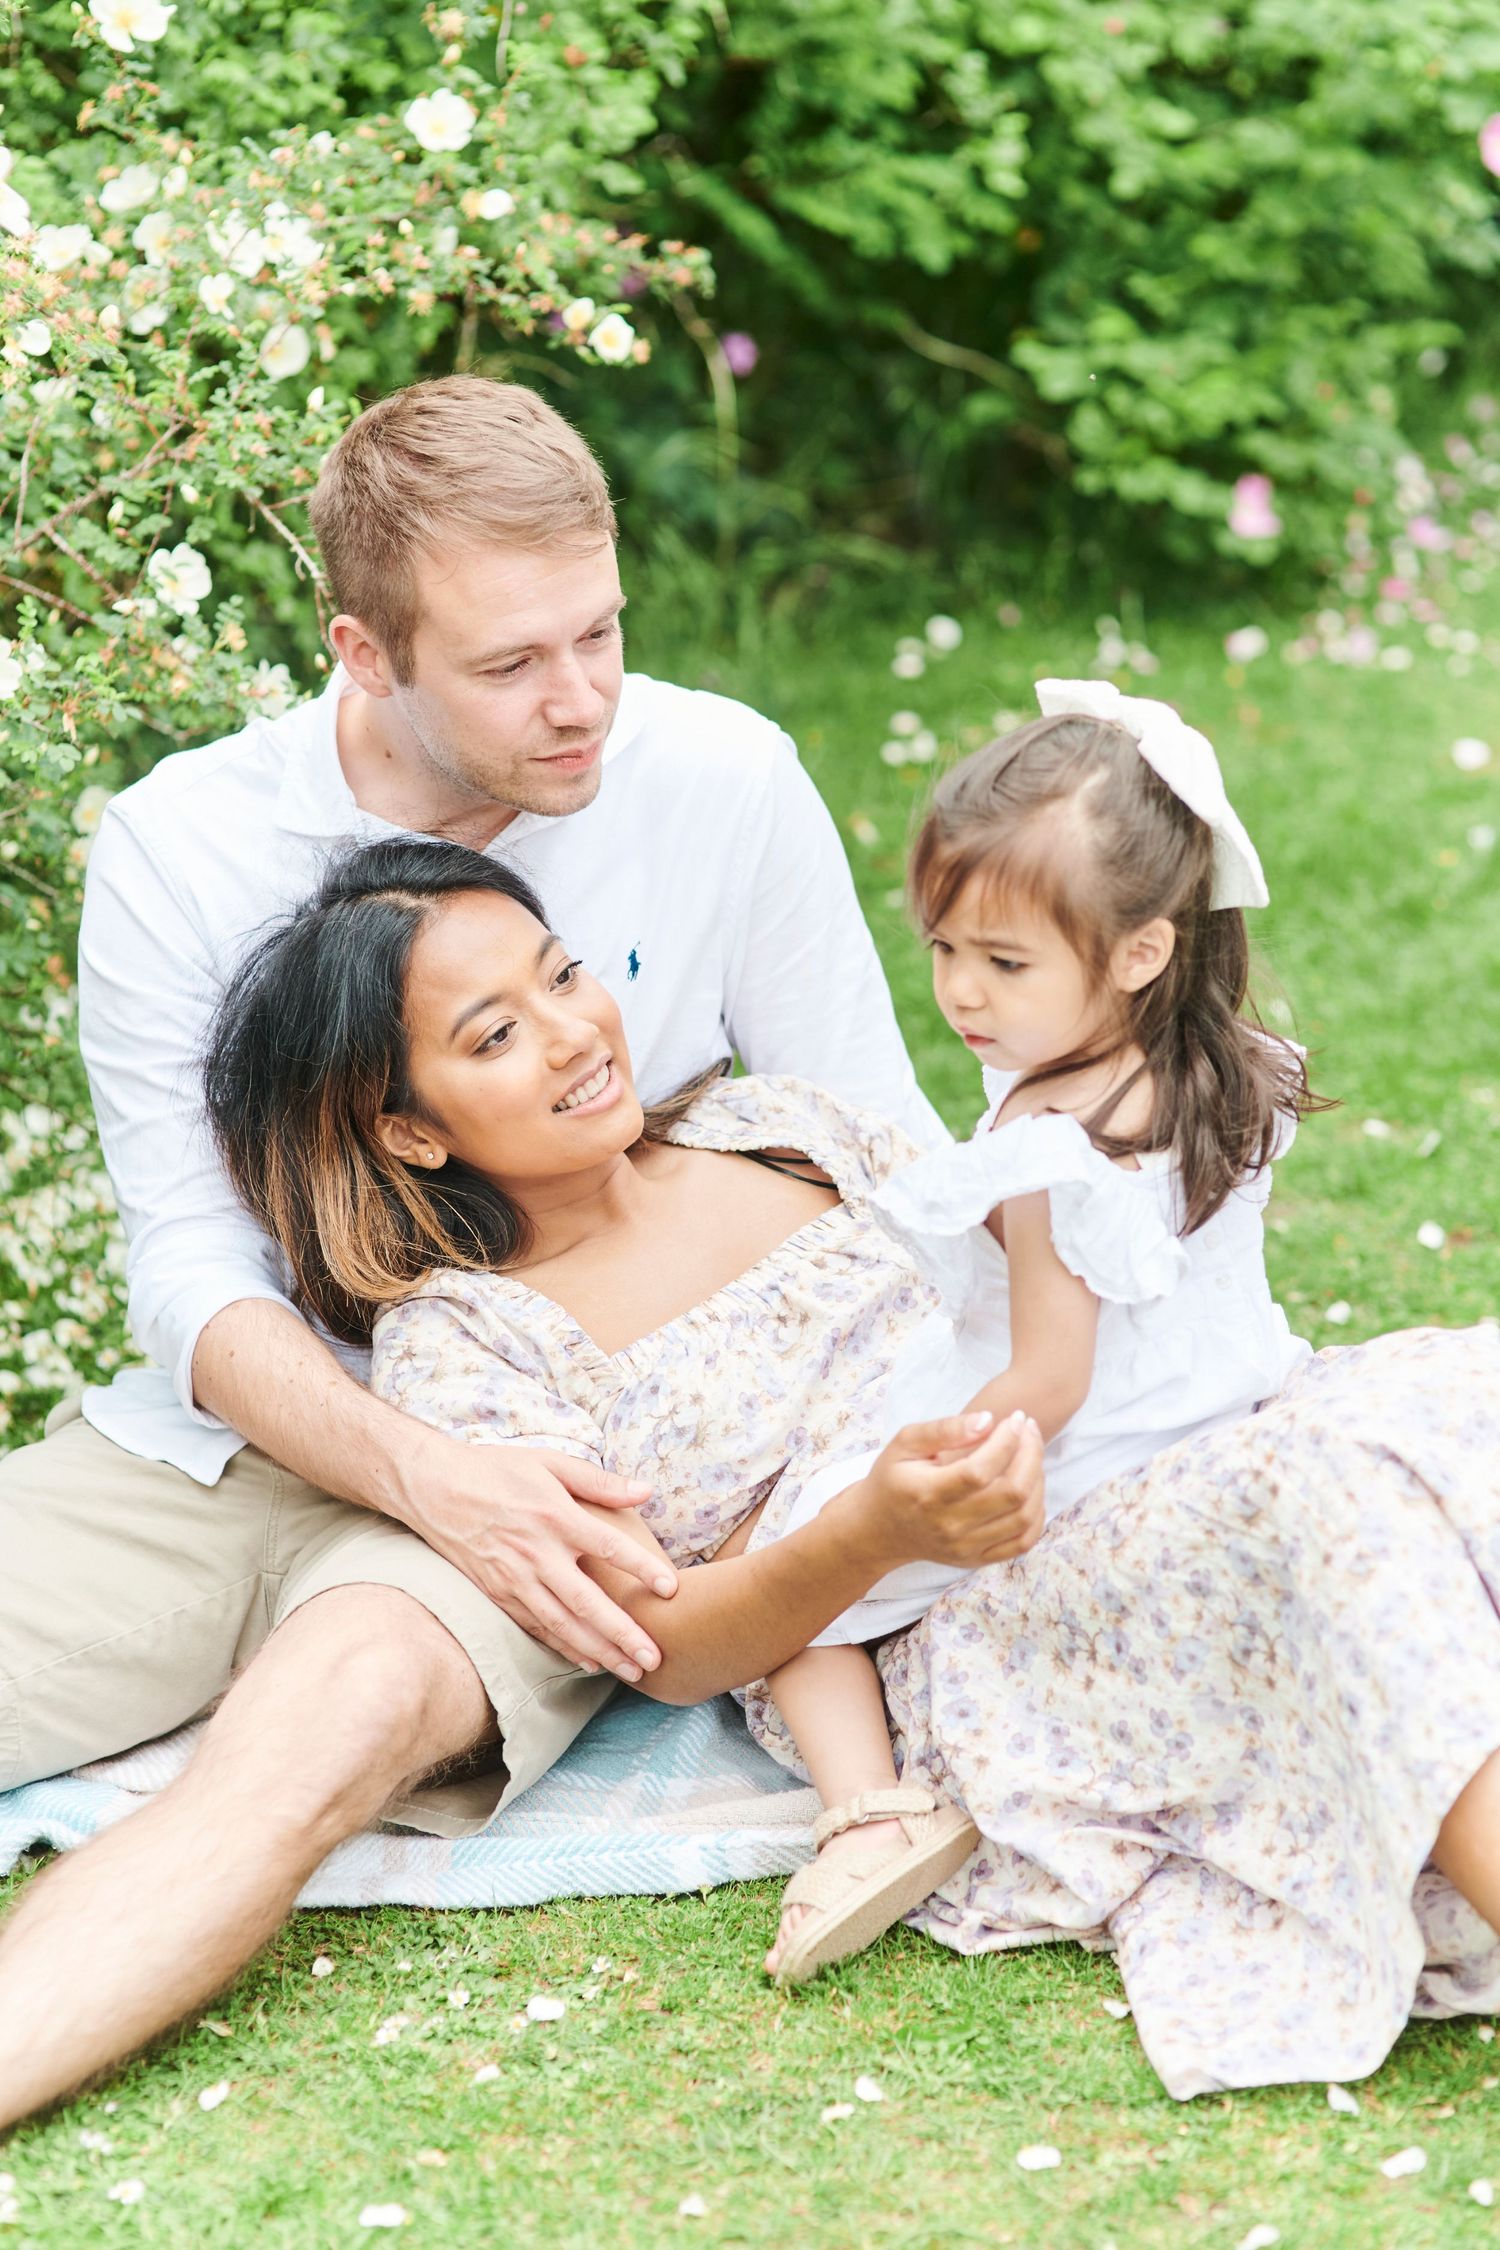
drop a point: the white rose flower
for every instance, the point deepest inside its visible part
(109, 318)
(441, 122)
(136, 185)
(57, 248)
(288, 240)
(496, 203)
(180, 577)
(943, 634)
(215, 292)
(15, 211)
(11, 672)
(89, 810)
(122, 22)
(612, 339)
(145, 307)
(51, 389)
(175, 182)
(241, 246)
(152, 236)
(270, 689)
(34, 338)
(576, 317)
(286, 350)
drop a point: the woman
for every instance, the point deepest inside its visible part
(1208, 1710)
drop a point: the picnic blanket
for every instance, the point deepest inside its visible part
(650, 1799)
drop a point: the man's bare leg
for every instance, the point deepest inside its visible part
(358, 1693)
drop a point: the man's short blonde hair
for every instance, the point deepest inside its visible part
(458, 462)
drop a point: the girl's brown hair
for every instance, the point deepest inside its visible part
(309, 1049)
(1066, 818)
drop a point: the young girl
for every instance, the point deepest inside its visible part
(1098, 1244)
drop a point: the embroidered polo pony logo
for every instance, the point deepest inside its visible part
(633, 965)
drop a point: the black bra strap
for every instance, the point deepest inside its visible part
(782, 1164)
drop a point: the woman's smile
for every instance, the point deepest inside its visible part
(598, 1089)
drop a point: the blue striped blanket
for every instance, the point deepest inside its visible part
(648, 1800)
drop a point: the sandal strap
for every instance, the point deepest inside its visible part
(907, 1800)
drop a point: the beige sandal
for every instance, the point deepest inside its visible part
(858, 1902)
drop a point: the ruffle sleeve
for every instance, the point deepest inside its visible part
(1113, 1228)
(449, 1357)
(857, 1149)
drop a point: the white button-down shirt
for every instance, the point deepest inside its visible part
(705, 886)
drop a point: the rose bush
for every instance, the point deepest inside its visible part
(1086, 268)
(187, 318)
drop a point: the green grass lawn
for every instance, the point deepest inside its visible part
(675, 2072)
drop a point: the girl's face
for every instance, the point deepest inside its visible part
(517, 1053)
(1012, 987)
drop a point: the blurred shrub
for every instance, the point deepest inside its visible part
(208, 248)
(1002, 259)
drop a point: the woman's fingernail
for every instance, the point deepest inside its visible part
(978, 1421)
(665, 1585)
(644, 1658)
(1020, 1415)
(1034, 1427)
(629, 1672)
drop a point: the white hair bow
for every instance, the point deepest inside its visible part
(1184, 759)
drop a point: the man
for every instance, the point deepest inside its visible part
(408, 1601)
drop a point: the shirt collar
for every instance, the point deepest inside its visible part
(315, 798)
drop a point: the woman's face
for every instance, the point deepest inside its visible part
(517, 1054)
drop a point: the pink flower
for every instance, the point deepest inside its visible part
(1394, 589)
(741, 351)
(1489, 144)
(1251, 515)
(1422, 531)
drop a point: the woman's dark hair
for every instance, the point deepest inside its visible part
(1066, 817)
(308, 1050)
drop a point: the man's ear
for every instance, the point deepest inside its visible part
(362, 657)
(1141, 955)
(411, 1143)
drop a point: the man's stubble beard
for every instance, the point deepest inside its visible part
(511, 786)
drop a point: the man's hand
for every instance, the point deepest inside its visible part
(964, 1491)
(508, 1517)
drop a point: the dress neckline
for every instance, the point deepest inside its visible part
(595, 1352)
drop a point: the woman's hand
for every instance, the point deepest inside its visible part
(965, 1491)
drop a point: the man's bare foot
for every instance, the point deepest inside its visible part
(872, 1842)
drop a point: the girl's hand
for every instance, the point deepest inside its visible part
(964, 1491)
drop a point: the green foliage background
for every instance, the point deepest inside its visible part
(1041, 280)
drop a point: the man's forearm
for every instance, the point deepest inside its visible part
(264, 1371)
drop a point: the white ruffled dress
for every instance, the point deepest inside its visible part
(1189, 1335)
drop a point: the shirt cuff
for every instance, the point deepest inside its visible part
(190, 1316)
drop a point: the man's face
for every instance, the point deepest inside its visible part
(516, 669)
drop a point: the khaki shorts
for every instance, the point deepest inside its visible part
(130, 1595)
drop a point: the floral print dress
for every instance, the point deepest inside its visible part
(748, 1393)
(1216, 1717)
(1212, 1721)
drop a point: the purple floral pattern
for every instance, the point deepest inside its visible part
(1215, 1718)
(780, 1371)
